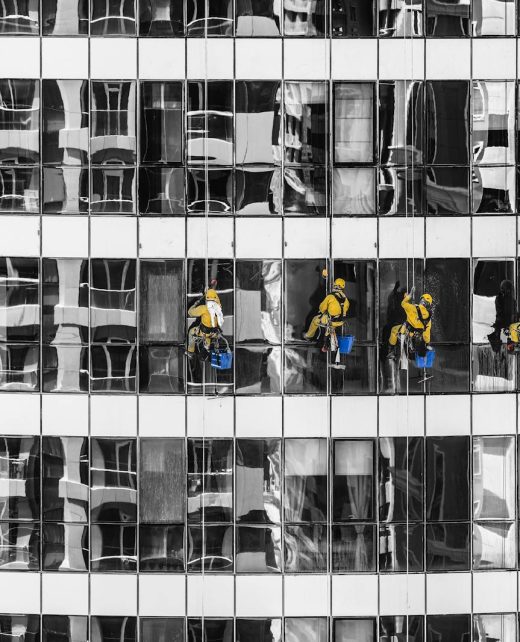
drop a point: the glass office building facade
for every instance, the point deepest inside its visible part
(150, 148)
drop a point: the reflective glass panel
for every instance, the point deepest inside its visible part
(409, 627)
(305, 548)
(258, 19)
(161, 191)
(210, 548)
(209, 18)
(19, 546)
(65, 628)
(348, 629)
(65, 17)
(257, 122)
(19, 119)
(448, 547)
(258, 630)
(107, 629)
(20, 628)
(494, 477)
(65, 190)
(112, 18)
(353, 482)
(161, 122)
(258, 549)
(447, 18)
(398, 18)
(19, 17)
(113, 494)
(354, 548)
(19, 299)
(354, 122)
(305, 497)
(161, 302)
(448, 127)
(19, 190)
(306, 123)
(258, 480)
(401, 548)
(447, 467)
(493, 135)
(500, 627)
(160, 18)
(65, 479)
(161, 548)
(162, 629)
(306, 629)
(20, 478)
(65, 547)
(305, 19)
(353, 191)
(113, 547)
(494, 545)
(447, 628)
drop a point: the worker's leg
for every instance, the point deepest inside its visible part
(317, 321)
(193, 334)
(394, 333)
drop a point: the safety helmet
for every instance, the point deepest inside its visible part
(428, 298)
(211, 295)
(339, 284)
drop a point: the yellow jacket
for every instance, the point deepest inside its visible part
(413, 317)
(204, 314)
(331, 306)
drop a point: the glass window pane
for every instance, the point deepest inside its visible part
(448, 127)
(19, 299)
(258, 480)
(494, 477)
(210, 548)
(360, 630)
(161, 191)
(258, 191)
(113, 494)
(446, 628)
(210, 122)
(494, 190)
(19, 120)
(354, 122)
(162, 481)
(65, 121)
(306, 123)
(500, 627)
(398, 19)
(305, 191)
(65, 479)
(258, 301)
(447, 468)
(305, 19)
(493, 130)
(19, 546)
(447, 191)
(112, 300)
(353, 20)
(205, 629)
(490, 18)
(161, 301)
(401, 478)
(401, 548)
(19, 18)
(494, 545)
(161, 369)
(162, 629)
(65, 547)
(19, 190)
(209, 191)
(65, 301)
(112, 190)
(65, 190)
(353, 191)
(305, 495)
(19, 367)
(448, 547)
(161, 548)
(353, 483)
(409, 627)
(305, 370)
(107, 629)
(258, 630)
(20, 627)
(209, 18)
(113, 368)
(20, 477)
(112, 18)
(258, 549)
(160, 18)
(448, 19)
(306, 629)
(161, 122)
(66, 628)
(112, 122)
(258, 370)
(258, 122)
(210, 480)
(65, 18)
(261, 20)
(354, 548)
(306, 548)
(113, 547)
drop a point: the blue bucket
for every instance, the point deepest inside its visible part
(345, 344)
(221, 360)
(427, 361)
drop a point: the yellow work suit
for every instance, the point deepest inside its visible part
(208, 328)
(330, 310)
(417, 318)
(514, 332)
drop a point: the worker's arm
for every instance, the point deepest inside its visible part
(406, 305)
(427, 332)
(346, 305)
(196, 310)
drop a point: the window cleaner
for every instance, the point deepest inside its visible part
(209, 320)
(416, 329)
(332, 313)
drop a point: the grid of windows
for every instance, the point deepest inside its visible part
(311, 629)
(258, 505)
(303, 18)
(174, 148)
(119, 325)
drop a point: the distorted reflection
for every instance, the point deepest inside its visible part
(258, 19)
(161, 18)
(65, 547)
(308, 18)
(65, 17)
(400, 18)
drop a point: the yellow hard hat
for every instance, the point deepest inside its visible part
(427, 297)
(340, 284)
(211, 295)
